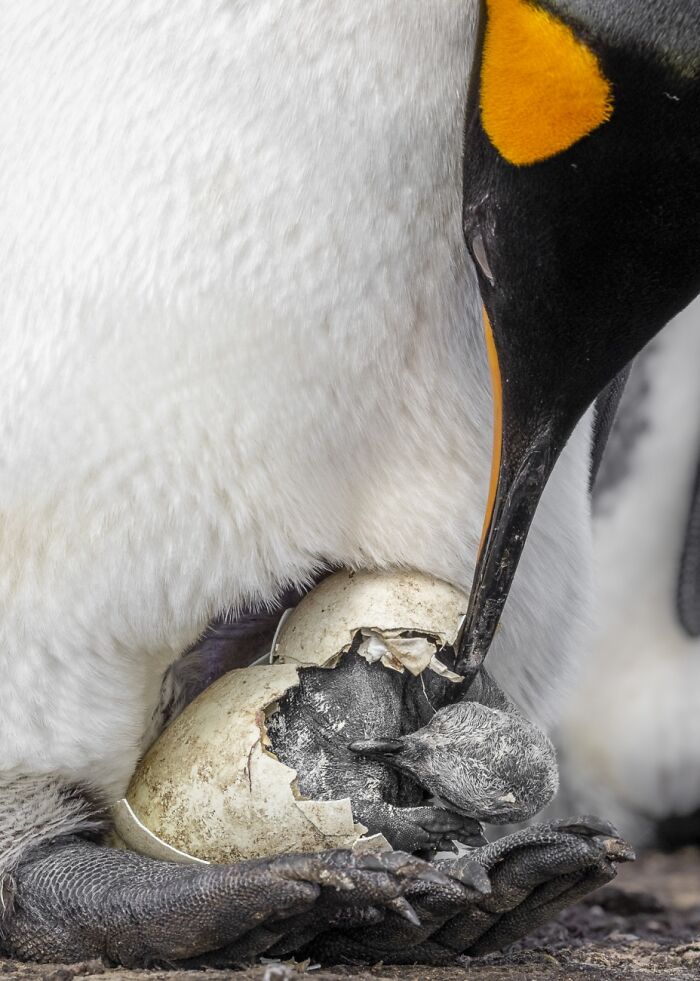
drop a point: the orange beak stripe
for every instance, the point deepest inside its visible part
(497, 450)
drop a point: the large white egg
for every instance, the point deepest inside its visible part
(210, 789)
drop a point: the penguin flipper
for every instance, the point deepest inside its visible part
(688, 596)
(606, 406)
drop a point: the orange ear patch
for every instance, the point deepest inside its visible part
(542, 90)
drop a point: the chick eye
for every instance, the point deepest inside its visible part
(482, 259)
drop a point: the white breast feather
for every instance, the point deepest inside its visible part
(239, 336)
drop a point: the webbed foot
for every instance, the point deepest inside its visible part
(73, 900)
(537, 872)
(532, 874)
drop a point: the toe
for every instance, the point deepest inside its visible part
(588, 826)
(333, 869)
(404, 909)
(404, 866)
(470, 873)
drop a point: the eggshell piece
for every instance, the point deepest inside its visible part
(380, 603)
(209, 788)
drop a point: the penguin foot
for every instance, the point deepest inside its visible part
(534, 874)
(419, 829)
(499, 893)
(73, 900)
(399, 939)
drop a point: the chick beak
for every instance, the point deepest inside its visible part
(377, 748)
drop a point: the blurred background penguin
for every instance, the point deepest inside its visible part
(630, 737)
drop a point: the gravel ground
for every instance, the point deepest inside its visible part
(646, 926)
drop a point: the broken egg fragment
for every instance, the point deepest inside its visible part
(210, 789)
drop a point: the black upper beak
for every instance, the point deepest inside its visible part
(523, 472)
(530, 431)
(582, 254)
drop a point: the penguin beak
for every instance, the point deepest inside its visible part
(581, 203)
(377, 748)
(525, 450)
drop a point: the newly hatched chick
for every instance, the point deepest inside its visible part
(478, 761)
(447, 758)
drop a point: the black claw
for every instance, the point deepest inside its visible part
(405, 910)
(432, 875)
(383, 861)
(403, 865)
(472, 875)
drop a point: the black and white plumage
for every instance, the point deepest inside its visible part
(631, 734)
(241, 337)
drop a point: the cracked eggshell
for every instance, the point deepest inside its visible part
(209, 789)
(381, 603)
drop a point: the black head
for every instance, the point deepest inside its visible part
(582, 214)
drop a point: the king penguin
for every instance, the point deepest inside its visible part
(630, 748)
(243, 338)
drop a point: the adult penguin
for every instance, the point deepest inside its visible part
(242, 337)
(641, 765)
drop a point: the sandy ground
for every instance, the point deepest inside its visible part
(646, 926)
